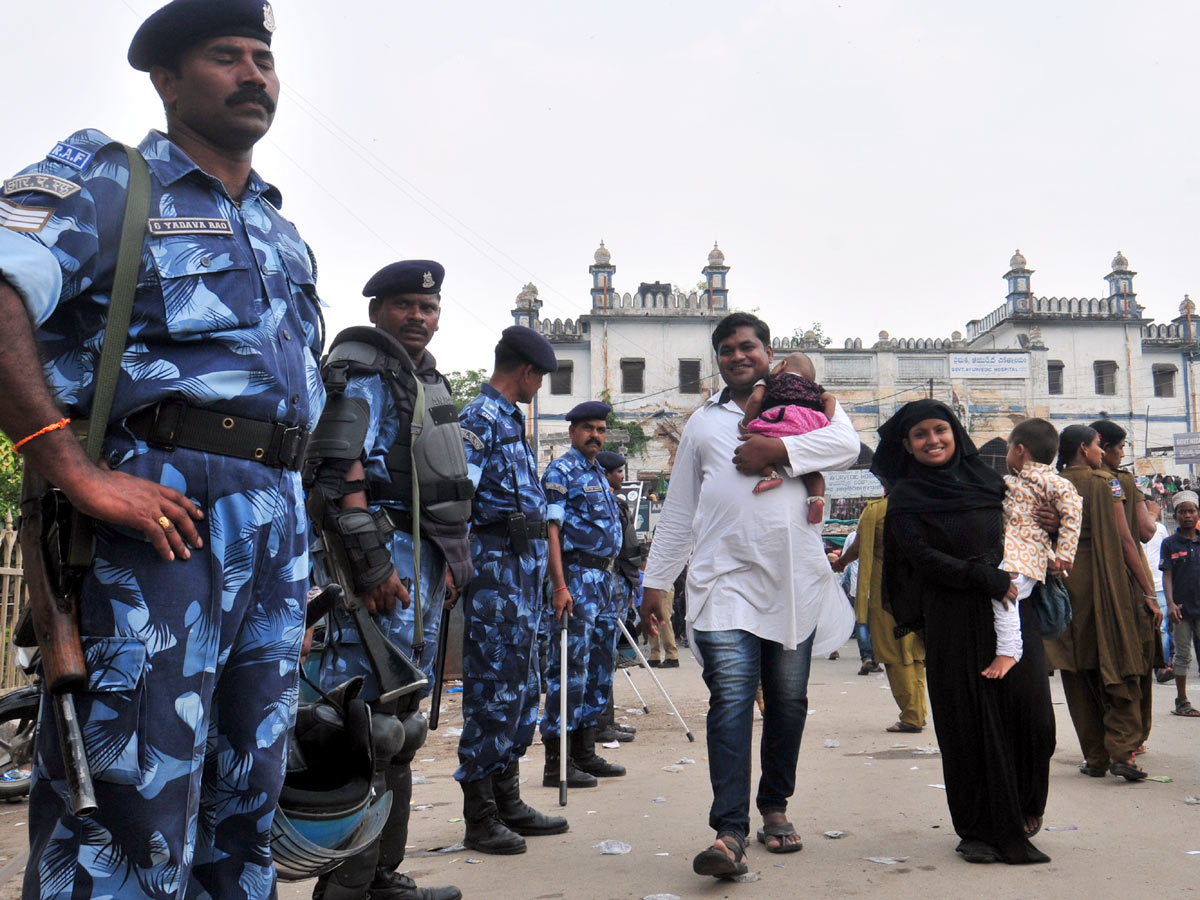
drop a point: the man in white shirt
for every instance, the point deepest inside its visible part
(761, 597)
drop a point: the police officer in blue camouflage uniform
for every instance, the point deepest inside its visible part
(585, 535)
(192, 612)
(405, 305)
(504, 602)
(626, 571)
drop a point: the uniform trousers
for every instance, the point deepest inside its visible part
(192, 668)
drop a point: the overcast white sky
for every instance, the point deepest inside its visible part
(869, 165)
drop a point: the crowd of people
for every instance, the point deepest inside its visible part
(239, 468)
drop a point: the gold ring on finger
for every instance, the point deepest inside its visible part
(165, 523)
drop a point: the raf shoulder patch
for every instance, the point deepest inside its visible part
(472, 438)
(70, 155)
(556, 487)
(42, 184)
(23, 218)
(160, 227)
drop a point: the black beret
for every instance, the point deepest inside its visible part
(409, 276)
(184, 23)
(529, 345)
(588, 410)
(609, 460)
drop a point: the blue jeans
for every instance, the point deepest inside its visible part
(734, 662)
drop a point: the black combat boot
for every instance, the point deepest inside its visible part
(515, 813)
(583, 753)
(608, 731)
(575, 778)
(485, 832)
(389, 885)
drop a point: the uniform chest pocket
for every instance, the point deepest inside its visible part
(205, 286)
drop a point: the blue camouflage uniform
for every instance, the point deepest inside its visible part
(585, 508)
(504, 601)
(192, 664)
(347, 659)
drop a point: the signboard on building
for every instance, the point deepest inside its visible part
(1187, 447)
(989, 365)
(847, 492)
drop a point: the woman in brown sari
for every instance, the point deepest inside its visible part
(1102, 654)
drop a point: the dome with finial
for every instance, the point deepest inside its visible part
(1187, 307)
(527, 298)
(715, 256)
(1120, 263)
(603, 257)
(1017, 261)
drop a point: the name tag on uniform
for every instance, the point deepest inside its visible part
(23, 218)
(159, 227)
(44, 184)
(70, 156)
(592, 488)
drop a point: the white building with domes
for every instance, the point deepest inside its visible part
(1069, 360)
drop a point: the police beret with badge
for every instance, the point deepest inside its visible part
(587, 411)
(530, 346)
(609, 460)
(184, 23)
(409, 276)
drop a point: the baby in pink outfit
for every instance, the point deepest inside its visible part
(788, 402)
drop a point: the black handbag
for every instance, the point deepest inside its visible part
(1053, 606)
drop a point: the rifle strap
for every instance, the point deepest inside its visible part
(418, 421)
(116, 331)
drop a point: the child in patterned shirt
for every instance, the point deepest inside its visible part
(1028, 550)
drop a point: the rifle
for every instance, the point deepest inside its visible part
(48, 523)
(439, 671)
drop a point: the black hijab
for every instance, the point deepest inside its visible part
(965, 482)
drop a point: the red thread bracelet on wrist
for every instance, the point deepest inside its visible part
(55, 426)
(561, 588)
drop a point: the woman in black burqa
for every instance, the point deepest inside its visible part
(943, 543)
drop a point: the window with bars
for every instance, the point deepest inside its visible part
(1054, 376)
(1164, 380)
(633, 376)
(689, 376)
(1106, 376)
(560, 381)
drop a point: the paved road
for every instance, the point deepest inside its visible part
(1110, 838)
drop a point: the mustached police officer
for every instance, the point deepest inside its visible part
(192, 612)
(375, 432)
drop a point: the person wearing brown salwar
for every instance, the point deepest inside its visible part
(903, 658)
(1141, 526)
(1102, 654)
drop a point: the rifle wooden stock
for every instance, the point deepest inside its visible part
(55, 614)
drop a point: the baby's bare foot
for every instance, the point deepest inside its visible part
(999, 667)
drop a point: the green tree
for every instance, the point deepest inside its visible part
(11, 467)
(465, 385)
(816, 328)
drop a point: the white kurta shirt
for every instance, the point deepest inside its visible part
(756, 564)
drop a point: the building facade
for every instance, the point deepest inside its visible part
(649, 354)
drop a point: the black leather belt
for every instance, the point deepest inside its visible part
(587, 560)
(534, 530)
(173, 424)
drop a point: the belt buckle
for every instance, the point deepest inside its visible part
(165, 426)
(292, 444)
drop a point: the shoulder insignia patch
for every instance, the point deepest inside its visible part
(42, 184)
(160, 227)
(472, 438)
(70, 155)
(1115, 484)
(555, 486)
(23, 218)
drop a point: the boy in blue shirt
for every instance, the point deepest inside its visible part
(1179, 560)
